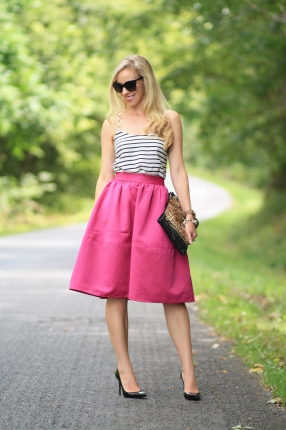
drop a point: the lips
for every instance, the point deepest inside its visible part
(130, 98)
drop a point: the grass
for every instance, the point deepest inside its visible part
(238, 268)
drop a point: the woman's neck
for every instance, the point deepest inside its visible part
(137, 111)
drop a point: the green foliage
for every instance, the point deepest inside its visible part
(232, 67)
(30, 112)
(17, 197)
(51, 107)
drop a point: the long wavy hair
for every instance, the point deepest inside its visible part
(154, 101)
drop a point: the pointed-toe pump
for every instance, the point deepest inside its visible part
(131, 394)
(190, 396)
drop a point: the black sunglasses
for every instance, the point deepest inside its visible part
(129, 85)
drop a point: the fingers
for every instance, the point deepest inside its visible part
(192, 236)
(192, 240)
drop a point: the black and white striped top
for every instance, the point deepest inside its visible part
(139, 153)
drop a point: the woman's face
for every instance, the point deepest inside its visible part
(132, 98)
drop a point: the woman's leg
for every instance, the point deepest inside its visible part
(178, 322)
(117, 323)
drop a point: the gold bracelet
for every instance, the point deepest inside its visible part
(190, 211)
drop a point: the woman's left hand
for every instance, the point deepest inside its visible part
(191, 231)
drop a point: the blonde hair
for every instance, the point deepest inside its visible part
(154, 103)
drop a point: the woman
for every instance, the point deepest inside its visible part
(125, 254)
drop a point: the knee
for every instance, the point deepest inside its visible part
(117, 303)
(174, 305)
(174, 308)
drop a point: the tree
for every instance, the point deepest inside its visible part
(235, 62)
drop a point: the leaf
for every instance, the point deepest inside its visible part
(200, 297)
(242, 428)
(275, 401)
(222, 299)
(256, 370)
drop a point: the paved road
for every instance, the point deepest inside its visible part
(208, 199)
(57, 363)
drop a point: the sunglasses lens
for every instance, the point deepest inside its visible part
(118, 87)
(130, 85)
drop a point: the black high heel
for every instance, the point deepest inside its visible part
(131, 394)
(190, 396)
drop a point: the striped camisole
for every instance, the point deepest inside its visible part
(139, 153)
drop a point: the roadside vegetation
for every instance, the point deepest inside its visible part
(238, 265)
(69, 209)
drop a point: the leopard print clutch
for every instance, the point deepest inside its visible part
(172, 222)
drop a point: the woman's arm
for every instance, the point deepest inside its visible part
(107, 158)
(178, 171)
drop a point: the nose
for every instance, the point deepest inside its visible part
(125, 91)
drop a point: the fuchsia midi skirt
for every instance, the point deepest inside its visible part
(125, 252)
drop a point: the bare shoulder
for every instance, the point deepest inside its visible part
(109, 127)
(175, 121)
(174, 118)
(172, 114)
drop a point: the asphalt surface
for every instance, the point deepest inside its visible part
(57, 362)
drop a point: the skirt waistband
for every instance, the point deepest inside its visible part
(139, 177)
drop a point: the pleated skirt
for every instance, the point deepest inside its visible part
(125, 253)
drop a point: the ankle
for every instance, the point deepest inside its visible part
(125, 370)
(188, 371)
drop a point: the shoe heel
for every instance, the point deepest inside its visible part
(135, 395)
(189, 396)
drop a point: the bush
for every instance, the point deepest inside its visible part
(17, 197)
